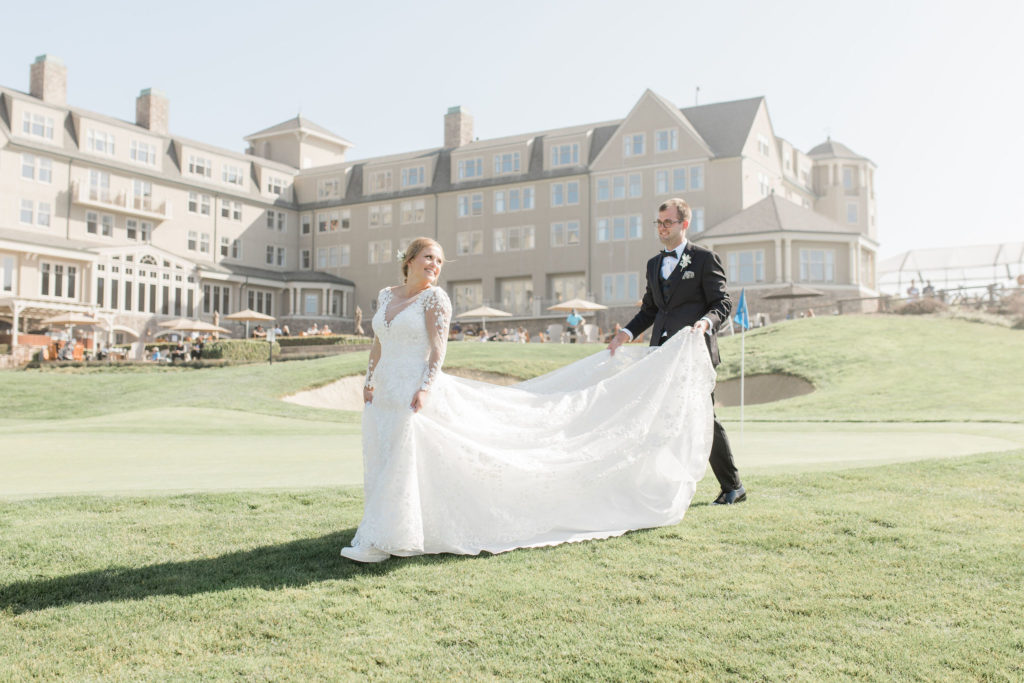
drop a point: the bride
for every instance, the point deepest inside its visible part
(603, 446)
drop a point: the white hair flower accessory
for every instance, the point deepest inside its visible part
(400, 255)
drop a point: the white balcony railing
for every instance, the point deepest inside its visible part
(103, 199)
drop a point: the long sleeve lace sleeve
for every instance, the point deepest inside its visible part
(374, 357)
(437, 310)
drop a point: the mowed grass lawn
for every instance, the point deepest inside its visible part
(908, 571)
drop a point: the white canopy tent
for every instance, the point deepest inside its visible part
(950, 268)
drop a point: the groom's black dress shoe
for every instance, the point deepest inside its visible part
(730, 497)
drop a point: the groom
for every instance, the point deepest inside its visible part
(686, 286)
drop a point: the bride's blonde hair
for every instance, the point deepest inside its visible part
(415, 247)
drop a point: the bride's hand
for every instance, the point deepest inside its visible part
(419, 400)
(367, 395)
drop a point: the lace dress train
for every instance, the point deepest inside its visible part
(597, 448)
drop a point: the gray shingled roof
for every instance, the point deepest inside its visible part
(832, 149)
(774, 214)
(33, 237)
(298, 123)
(291, 276)
(725, 126)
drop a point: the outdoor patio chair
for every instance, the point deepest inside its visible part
(556, 332)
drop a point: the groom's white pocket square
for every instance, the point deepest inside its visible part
(688, 275)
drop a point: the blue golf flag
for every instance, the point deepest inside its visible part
(742, 318)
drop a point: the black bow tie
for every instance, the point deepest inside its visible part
(666, 254)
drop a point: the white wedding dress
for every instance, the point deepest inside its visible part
(595, 449)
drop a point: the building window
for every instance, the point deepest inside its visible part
(345, 216)
(27, 213)
(414, 176)
(37, 125)
(236, 248)
(848, 178)
(619, 228)
(506, 163)
(270, 254)
(57, 280)
(666, 140)
(499, 201)
(696, 177)
(469, 242)
(565, 194)
(619, 187)
(282, 257)
(633, 145)
(621, 287)
(636, 185)
(763, 147)
(470, 168)
(142, 195)
(7, 274)
(199, 203)
(305, 262)
(332, 257)
(225, 246)
(697, 219)
(746, 267)
(193, 238)
(517, 295)
(311, 304)
(514, 239)
(520, 199)
(306, 220)
(380, 251)
(142, 153)
(232, 175)
(565, 287)
(100, 142)
(380, 216)
(277, 220)
(328, 188)
(200, 166)
(565, 155)
(817, 265)
(275, 185)
(661, 182)
(380, 181)
(604, 192)
(231, 209)
(471, 204)
(344, 255)
(413, 211)
(321, 257)
(36, 168)
(99, 186)
(764, 184)
(851, 213)
(204, 243)
(565, 234)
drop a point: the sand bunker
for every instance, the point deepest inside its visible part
(347, 392)
(761, 389)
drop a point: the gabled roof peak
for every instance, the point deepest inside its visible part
(299, 124)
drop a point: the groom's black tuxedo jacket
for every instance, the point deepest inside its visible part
(689, 298)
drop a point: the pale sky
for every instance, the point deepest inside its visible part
(930, 91)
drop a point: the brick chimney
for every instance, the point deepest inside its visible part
(152, 109)
(48, 80)
(458, 127)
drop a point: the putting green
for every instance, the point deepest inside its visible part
(187, 449)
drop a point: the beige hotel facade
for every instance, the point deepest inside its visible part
(126, 221)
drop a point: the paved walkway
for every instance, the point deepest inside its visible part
(185, 449)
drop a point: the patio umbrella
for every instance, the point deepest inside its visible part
(792, 291)
(70, 320)
(247, 316)
(578, 304)
(484, 312)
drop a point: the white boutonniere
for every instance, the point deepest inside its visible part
(684, 261)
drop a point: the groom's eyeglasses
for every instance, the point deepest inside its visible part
(667, 224)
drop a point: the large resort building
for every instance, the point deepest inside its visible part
(128, 222)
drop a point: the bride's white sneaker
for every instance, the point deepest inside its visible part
(366, 554)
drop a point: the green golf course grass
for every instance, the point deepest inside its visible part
(882, 538)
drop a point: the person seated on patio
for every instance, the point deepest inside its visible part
(155, 356)
(573, 320)
(483, 335)
(179, 352)
(259, 332)
(285, 332)
(543, 336)
(326, 329)
(197, 350)
(313, 330)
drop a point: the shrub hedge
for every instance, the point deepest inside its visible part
(324, 340)
(5, 349)
(239, 349)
